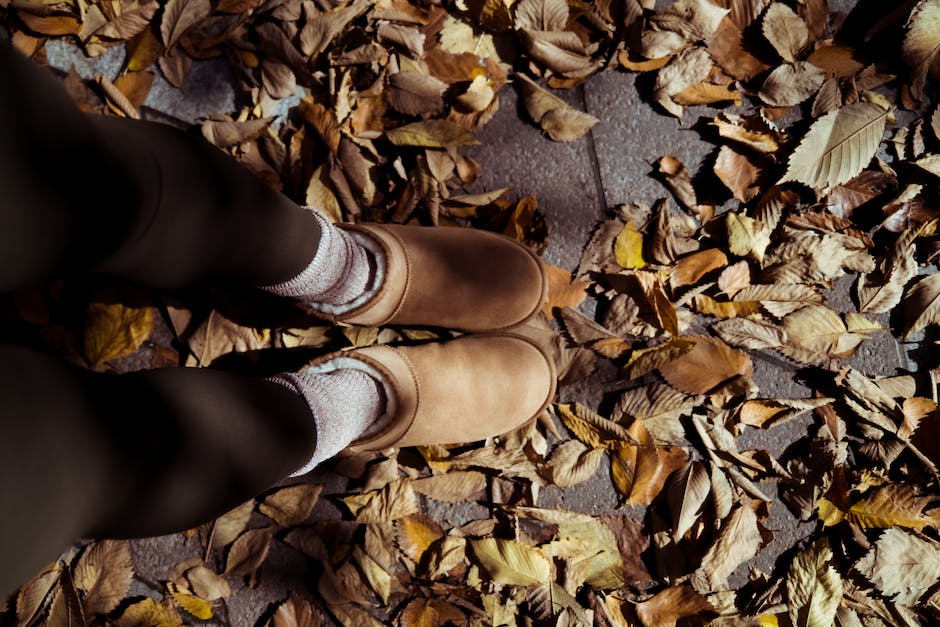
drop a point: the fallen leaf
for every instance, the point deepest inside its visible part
(838, 146)
(104, 574)
(687, 491)
(292, 505)
(431, 134)
(921, 44)
(739, 172)
(668, 606)
(296, 612)
(114, 330)
(628, 248)
(814, 587)
(181, 15)
(789, 85)
(901, 565)
(921, 305)
(738, 541)
(690, 269)
(785, 30)
(429, 613)
(149, 613)
(248, 552)
(510, 562)
(710, 363)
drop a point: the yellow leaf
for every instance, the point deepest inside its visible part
(149, 613)
(814, 587)
(628, 248)
(829, 513)
(113, 330)
(893, 505)
(416, 533)
(747, 237)
(431, 134)
(510, 562)
(199, 608)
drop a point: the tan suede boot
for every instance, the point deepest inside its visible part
(453, 392)
(451, 277)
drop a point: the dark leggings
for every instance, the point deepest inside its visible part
(88, 454)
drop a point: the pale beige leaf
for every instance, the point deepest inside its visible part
(814, 587)
(396, 500)
(510, 562)
(104, 574)
(767, 413)
(751, 334)
(738, 541)
(660, 407)
(921, 305)
(572, 463)
(687, 491)
(790, 85)
(785, 30)
(207, 584)
(224, 132)
(452, 487)
(320, 29)
(692, 20)
(901, 565)
(838, 146)
(561, 51)
(296, 612)
(747, 237)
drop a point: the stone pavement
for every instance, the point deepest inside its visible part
(575, 184)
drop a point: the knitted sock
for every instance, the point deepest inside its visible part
(347, 402)
(344, 272)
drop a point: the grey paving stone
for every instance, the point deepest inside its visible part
(516, 154)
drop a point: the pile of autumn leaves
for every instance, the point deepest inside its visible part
(688, 294)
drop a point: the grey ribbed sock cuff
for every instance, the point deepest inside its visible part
(344, 271)
(347, 398)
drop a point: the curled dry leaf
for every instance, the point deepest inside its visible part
(231, 524)
(738, 541)
(554, 115)
(249, 551)
(689, 67)
(921, 305)
(739, 172)
(296, 612)
(687, 491)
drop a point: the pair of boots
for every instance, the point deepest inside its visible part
(484, 383)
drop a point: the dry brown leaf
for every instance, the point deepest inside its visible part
(563, 291)
(921, 305)
(248, 552)
(181, 15)
(814, 586)
(430, 613)
(431, 134)
(710, 363)
(690, 269)
(541, 15)
(207, 584)
(452, 487)
(738, 541)
(902, 565)
(845, 198)
(921, 44)
(572, 463)
(104, 574)
(296, 612)
(739, 172)
(751, 334)
(670, 605)
(129, 23)
(292, 505)
(554, 115)
(230, 525)
(790, 85)
(394, 501)
(639, 471)
(687, 491)
(728, 50)
(689, 67)
(224, 132)
(413, 93)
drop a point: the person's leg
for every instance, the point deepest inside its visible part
(136, 199)
(93, 455)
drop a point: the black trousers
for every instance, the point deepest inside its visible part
(89, 455)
